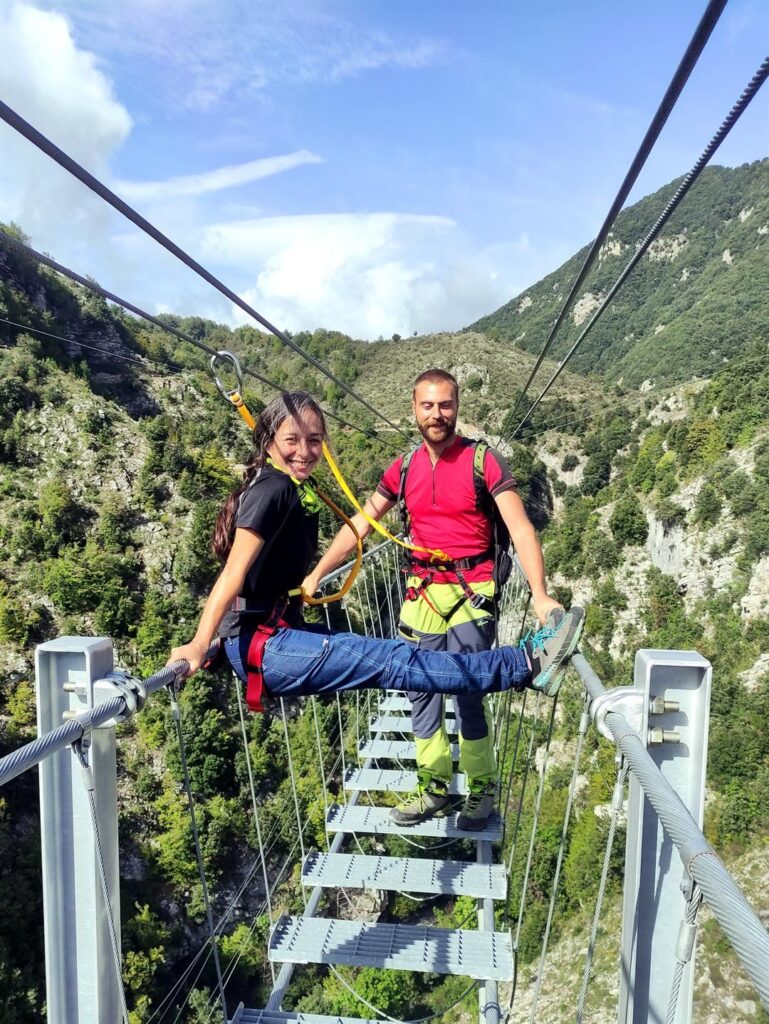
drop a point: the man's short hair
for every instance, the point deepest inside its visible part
(436, 376)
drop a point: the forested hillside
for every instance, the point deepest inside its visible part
(116, 450)
(698, 297)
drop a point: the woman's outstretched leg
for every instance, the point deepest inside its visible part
(298, 663)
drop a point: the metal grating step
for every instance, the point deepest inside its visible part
(393, 781)
(405, 874)
(397, 702)
(377, 821)
(249, 1016)
(399, 947)
(395, 750)
(402, 723)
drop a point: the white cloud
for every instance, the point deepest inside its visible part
(204, 52)
(216, 180)
(365, 274)
(60, 90)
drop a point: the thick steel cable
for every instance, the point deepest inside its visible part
(583, 726)
(170, 329)
(672, 93)
(177, 718)
(738, 920)
(729, 122)
(86, 774)
(90, 181)
(616, 807)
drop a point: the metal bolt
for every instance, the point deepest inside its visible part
(657, 736)
(658, 706)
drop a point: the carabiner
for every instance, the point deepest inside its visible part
(230, 357)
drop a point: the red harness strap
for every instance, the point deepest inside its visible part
(255, 656)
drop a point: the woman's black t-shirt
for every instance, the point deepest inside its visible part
(270, 506)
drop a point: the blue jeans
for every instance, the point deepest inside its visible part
(303, 662)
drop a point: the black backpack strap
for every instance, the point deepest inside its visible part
(402, 510)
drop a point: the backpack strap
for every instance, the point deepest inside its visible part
(402, 509)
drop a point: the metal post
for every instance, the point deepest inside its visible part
(674, 727)
(81, 977)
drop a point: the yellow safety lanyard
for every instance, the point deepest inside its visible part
(235, 398)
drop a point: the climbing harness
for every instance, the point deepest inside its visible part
(307, 493)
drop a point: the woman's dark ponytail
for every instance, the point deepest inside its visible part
(291, 403)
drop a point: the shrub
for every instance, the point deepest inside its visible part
(569, 463)
(627, 520)
(707, 507)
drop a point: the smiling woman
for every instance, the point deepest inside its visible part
(266, 534)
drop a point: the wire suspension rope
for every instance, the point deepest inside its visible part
(12, 118)
(672, 93)
(177, 719)
(583, 726)
(616, 807)
(168, 328)
(689, 179)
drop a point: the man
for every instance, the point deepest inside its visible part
(450, 606)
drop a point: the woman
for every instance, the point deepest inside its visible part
(266, 534)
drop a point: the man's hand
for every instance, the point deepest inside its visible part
(543, 606)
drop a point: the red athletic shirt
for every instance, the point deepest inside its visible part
(442, 506)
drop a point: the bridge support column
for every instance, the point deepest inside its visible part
(674, 727)
(81, 976)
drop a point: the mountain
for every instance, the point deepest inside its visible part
(697, 298)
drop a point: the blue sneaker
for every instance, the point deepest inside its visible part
(550, 648)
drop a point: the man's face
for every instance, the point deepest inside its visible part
(435, 410)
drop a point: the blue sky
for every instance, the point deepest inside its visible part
(372, 167)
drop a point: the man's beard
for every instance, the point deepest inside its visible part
(435, 433)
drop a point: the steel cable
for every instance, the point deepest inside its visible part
(168, 328)
(44, 144)
(672, 93)
(729, 122)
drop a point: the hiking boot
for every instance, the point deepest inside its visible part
(478, 807)
(423, 803)
(550, 648)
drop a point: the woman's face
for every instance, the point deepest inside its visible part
(297, 447)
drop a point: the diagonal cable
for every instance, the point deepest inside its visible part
(688, 61)
(169, 328)
(90, 181)
(729, 122)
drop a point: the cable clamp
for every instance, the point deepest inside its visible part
(628, 701)
(120, 684)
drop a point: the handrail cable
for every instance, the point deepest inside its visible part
(616, 807)
(582, 732)
(169, 328)
(739, 922)
(12, 118)
(177, 718)
(687, 64)
(729, 122)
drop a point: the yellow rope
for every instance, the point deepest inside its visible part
(435, 555)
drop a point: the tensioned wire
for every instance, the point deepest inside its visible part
(672, 93)
(168, 328)
(90, 181)
(729, 122)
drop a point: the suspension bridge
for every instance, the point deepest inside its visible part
(658, 727)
